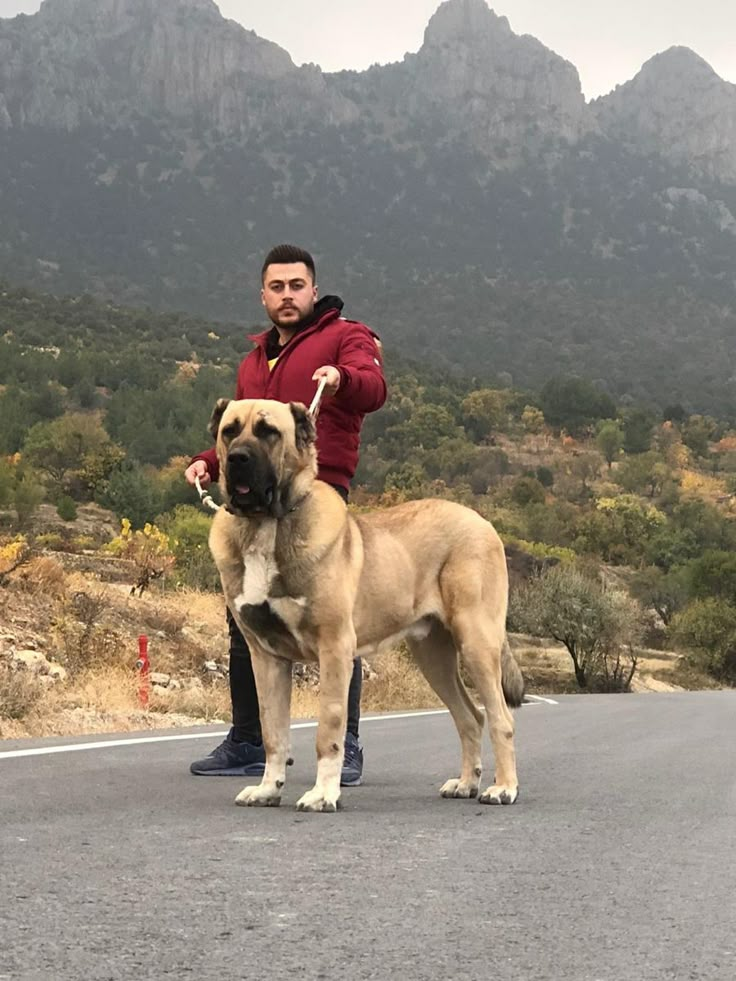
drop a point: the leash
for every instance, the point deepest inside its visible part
(312, 411)
(204, 497)
(314, 407)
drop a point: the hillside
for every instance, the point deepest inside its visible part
(467, 202)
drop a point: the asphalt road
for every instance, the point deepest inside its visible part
(618, 863)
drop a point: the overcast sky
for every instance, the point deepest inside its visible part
(607, 40)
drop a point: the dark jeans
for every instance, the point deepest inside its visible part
(243, 694)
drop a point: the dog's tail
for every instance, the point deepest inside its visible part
(512, 680)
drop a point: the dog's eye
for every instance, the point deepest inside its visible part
(265, 431)
(230, 431)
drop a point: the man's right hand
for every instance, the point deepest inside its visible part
(198, 469)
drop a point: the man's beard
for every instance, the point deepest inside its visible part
(293, 324)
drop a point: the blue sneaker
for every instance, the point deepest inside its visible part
(352, 764)
(231, 759)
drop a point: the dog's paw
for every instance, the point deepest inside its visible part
(259, 796)
(498, 794)
(318, 800)
(459, 788)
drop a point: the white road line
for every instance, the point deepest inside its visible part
(112, 743)
(539, 698)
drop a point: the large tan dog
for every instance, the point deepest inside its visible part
(308, 581)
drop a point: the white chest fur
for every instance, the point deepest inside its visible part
(260, 566)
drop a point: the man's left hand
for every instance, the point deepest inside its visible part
(331, 373)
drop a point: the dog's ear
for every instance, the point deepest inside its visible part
(217, 412)
(306, 434)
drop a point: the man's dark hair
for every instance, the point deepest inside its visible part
(284, 254)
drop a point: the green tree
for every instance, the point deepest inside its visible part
(27, 495)
(707, 629)
(408, 478)
(66, 508)
(425, 429)
(532, 419)
(645, 473)
(619, 529)
(486, 411)
(713, 574)
(638, 428)
(188, 530)
(66, 446)
(574, 404)
(7, 482)
(600, 628)
(490, 464)
(131, 493)
(697, 433)
(527, 490)
(706, 523)
(665, 592)
(610, 440)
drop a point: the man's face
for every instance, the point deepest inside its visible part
(288, 293)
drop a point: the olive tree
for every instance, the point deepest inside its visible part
(601, 628)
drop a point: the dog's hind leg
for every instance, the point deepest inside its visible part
(437, 658)
(273, 683)
(480, 642)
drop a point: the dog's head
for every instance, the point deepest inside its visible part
(267, 454)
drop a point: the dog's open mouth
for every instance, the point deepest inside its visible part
(252, 499)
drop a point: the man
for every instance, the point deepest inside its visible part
(309, 341)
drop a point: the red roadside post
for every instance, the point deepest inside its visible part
(144, 666)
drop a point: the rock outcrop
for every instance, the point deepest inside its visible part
(679, 108)
(90, 61)
(501, 87)
(78, 62)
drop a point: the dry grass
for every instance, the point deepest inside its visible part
(92, 629)
(209, 702)
(45, 575)
(547, 669)
(20, 693)
(399, 684)
(685, 675)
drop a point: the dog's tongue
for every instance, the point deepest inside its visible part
(242, 489)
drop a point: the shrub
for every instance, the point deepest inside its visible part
(188, 529)
(540, 550)
(527, 490)
(50, 540)
(13, 553)
(83, 639)
(707, 629)
(20, 691)
(148, 549)
(44, 575)
(66, 508)
(601, 628)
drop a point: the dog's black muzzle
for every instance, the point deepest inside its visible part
(250, 480)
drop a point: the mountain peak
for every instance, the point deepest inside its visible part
(467, 20)
(678, 106)
(676, 65)
(121, 8)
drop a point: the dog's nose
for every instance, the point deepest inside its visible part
(239, 454)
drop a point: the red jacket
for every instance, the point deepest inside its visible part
(331, 340)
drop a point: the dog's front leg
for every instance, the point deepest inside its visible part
(273, 683)
(335, 670)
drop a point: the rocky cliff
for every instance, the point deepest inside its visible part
(476, 79)
(678, 107)
(466, 199)
(89, 61)
(78, 62)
